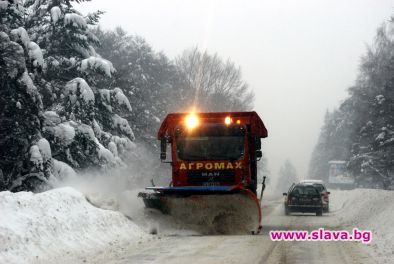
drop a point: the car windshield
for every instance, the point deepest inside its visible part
(304, 190)
(210, 148)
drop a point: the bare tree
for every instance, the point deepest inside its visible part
(210, 84)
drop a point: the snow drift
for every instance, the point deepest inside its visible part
(59, 226)
(368, 209)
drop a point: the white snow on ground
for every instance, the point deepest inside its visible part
(368, 209)
(60, 226)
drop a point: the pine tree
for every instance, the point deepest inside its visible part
(20, 102)
(362, 129)
(148, 78)
(58, 89)
(373, 94)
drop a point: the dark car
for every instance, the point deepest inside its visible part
(323, 190)
(304, 198)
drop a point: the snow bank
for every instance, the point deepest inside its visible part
(60, 226)
(368, 209)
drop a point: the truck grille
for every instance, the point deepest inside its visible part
(201, 176)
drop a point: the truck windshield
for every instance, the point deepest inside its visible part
(210, 148)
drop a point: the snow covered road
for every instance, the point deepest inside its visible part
(62, 226)
(251, 249)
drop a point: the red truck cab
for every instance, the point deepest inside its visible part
(213, 149)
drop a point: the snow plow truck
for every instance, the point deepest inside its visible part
(214, 171)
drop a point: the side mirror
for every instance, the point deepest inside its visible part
(163, 149)
(284, 194)
(259, 154)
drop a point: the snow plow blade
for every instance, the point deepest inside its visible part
(208, 209)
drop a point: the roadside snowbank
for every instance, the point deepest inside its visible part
(368, 209)
(60, 226)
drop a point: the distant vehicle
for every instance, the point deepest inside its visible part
(304, 198)
(338, 176)
(319, 184)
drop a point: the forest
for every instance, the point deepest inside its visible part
(75, 97)
(360, 130)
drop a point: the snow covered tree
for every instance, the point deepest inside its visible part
(77, 86)
(20, 102)
(334, 143)
(361, 131)
(211, 84)
(287, 176)
(373, 95)
(148, 79)
(58, 108)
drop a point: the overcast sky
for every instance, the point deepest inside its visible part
(299, 56)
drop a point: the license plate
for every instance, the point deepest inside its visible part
(211, 184)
